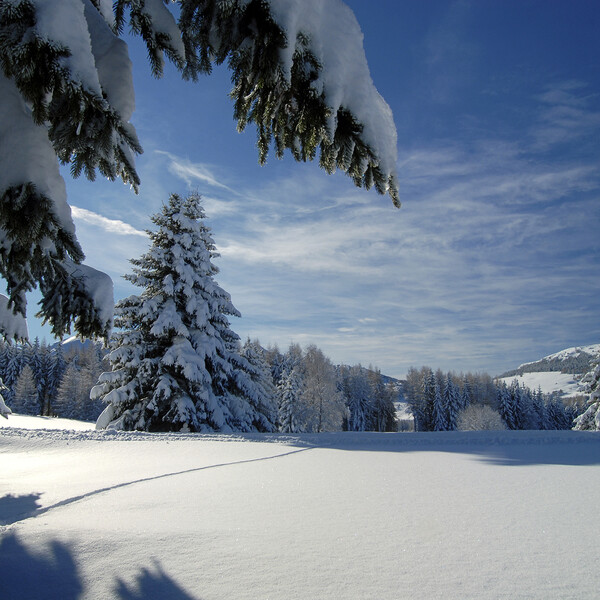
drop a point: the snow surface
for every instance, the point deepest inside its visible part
(479, 515)
(28, 422)
(548, 381)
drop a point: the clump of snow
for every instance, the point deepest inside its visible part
(26, 154)
(345, 78)
(99, 286)
(64, 23)
(12, 326)
(112, 63)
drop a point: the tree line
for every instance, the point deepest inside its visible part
(447, 402)
(50, 380)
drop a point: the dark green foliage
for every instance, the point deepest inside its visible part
(84, 129)
(288, 112)
(26, 216)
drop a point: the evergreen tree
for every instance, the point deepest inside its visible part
(289, 392)
(451, 401)
(56, 366)
(506, 406)
(174, 360)
(13, 370)
(439, 418)
(466, 394)
(589, 420)
(35, 361)
(26, 399)
(266, 393)
(71, 394)
(429, 388)
(66, 93)
(382, 411)
(358, 398)
(4, 410)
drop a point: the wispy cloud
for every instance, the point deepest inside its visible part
(192, 173)
(481, 266)
(110, 225)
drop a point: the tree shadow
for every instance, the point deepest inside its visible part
(51, 572)
(47, 574)
(505, 448)
(16, 508)
(152, 584)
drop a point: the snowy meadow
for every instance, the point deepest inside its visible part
(105, 514)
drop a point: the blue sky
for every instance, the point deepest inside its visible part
(492, 260)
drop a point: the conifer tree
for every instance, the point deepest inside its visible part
(358, 399)
(66, 95)
(451, 401)
(439, 419)
(289, 392)
(35, 361)
(506, 406)
(26, 399)
(382, 411)
(4, 410)
(265, 396)
(428, 399)
(589, 420)
(466, 394)
(175, 364)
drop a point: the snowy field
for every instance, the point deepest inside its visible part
(478, 515)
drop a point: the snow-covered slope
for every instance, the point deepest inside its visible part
(30, 422)
(576, 351)
(464, 515)
(556, 372)
(549, 382)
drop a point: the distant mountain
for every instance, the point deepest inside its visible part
(559, 372)
(576, 361)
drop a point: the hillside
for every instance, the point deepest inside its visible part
(575, 361)
(558, 372)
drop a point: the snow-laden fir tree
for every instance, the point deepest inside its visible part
(289, 392)
(589, 420)
(466, 393)
(439, 418)
(382, 412)
(357, 391)
(4, 410)
(506, 407)
(26, 398)
(452, 402)
(299, 74)
(265, 396)
(175, 361)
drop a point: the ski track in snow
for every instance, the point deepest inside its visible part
(68, 501)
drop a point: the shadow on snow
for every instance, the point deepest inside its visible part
(52, 572)
(505, 448)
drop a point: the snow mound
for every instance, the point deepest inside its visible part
(26, 422)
